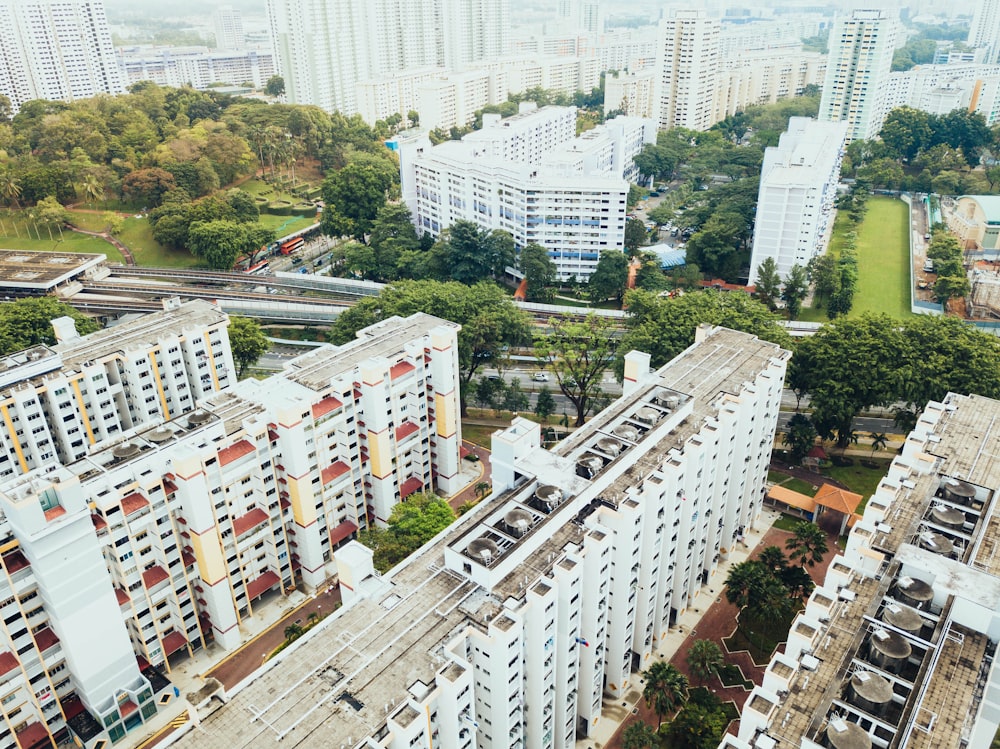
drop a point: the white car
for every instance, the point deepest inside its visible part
(540, 377)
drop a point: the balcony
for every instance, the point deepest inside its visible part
(233, 453)
(154, 576)
(248, 522)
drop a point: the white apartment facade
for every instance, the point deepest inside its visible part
(529, 176)
(194, 66)
(861, 47)
(687, 64)
(632, 93)
(795, 202)
(984, 32)
(764, 76)
(939, 89)
(56, 49)
(184, 529)
(516, 625)
(324, 48)
(228, 23)
(58, 403)
(897, 647)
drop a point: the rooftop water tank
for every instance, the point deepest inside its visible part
(888, 650)
(871, 692)
(914, 592)
(936, 542)
(842, 734)
(958, 491)
(902, 617)
(949, 517)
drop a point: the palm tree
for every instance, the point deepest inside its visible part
(741, 582)
(797, 582)
(292, 631)
(773, 559)
(640, 735)
(10, 190)
(257, 137)
(91, 189)
(704, 659)
(666, 689)
(313, 617)
(482, 489)
(879, 441)
(808, 545)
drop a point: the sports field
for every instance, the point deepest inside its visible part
(883, 260)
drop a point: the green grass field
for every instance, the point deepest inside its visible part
(137, 235)
(883, 260)
(285, 225)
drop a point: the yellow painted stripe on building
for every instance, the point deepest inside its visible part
(13, 436)
(208, 552)
(380, 453)
(300, 494)
(83, 410)
(8, 546)
(159, 383)
(211, 358)
(430, 727)
(444, 415)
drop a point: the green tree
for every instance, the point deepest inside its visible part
(499, 251)
(796, 581)
(947, 288)
(491, 324)
(515, 399)
(773, 559)
(704, 659)
(10, 187)
(462, 248)
(489, 392)
(219, 243)
(392, 234)
(824, 277)
(609, 278)
(635, 236)
(768, 285)
(248, 342)
(539, 271)
(275, 86)
(545, 404)
(640, 735)
(28, 322)
(147, 186)
(696, 727)
(420, 517)
(795, 289)
(664, 327)
(879, 441)
(355, 193)
(808, 544)
(49, 212)
(799, 436)
(293, 632)
(665, 689)
(578, 353)
(113, 223)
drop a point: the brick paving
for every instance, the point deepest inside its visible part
(718, 622)
(468, 494)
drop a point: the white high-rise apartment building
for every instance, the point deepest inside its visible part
(515, 625)
(56, 49)
(325, 47)
(861, 47)
(198, 67)
(940, 89)
(229, 28)
(798, 184)
(529, 176)
(985, 29)
(688, 62)
(119, 564)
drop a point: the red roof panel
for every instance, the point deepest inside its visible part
(174, 642)
(122, 597)
(334, 471)
(248, 522)
(152, 576)
(127, 707)
(8, 662)
(263, 583)
(45, 638)
(342, 531)
(400, 369)
(405, 429)
(325, 406)
(235, 452)
(54, 512)
(133, 503)
(99, 522)
(35, 734)
(15, 562)
(411, 486)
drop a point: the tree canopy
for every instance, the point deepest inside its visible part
(247, 341)
(28, 322)
(413, 522)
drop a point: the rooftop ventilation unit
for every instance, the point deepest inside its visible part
(871, 692)
(888, 650)
(609, 446)
(159, 435)
(518, 522)
(914, 592)
(589, 466)
(903, 617)
(949, 517)
(936, 542)
(647, 415)
(960, 492)
(483, 550)
(842, 734)
(198, 417)
(125, 450)
(547, 498)
(626, 432)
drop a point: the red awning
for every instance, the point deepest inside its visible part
(410, 486)
(15, 562)
(122, 597)
(174, 642)
(405, 429)
(33, 735)
(248, 522)
(8, 662)
(334, 471)
(152, 576)
(73, 705)
(54, 512)
(133, 503)
(45, 638)
(99, 522)
(235, 452)
(342, 531)
(262, 584)
(325, 406)
(127, 707)
(187, 559)
(400, 369)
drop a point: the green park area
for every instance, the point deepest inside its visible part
(883, 260)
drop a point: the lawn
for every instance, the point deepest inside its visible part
(883, 260)
(88, 221)
(71, 242)
(858, 478)
(137, 235)
(285, 225)
(479, 433)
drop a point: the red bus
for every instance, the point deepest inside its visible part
(291, 245)
(259, 269)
